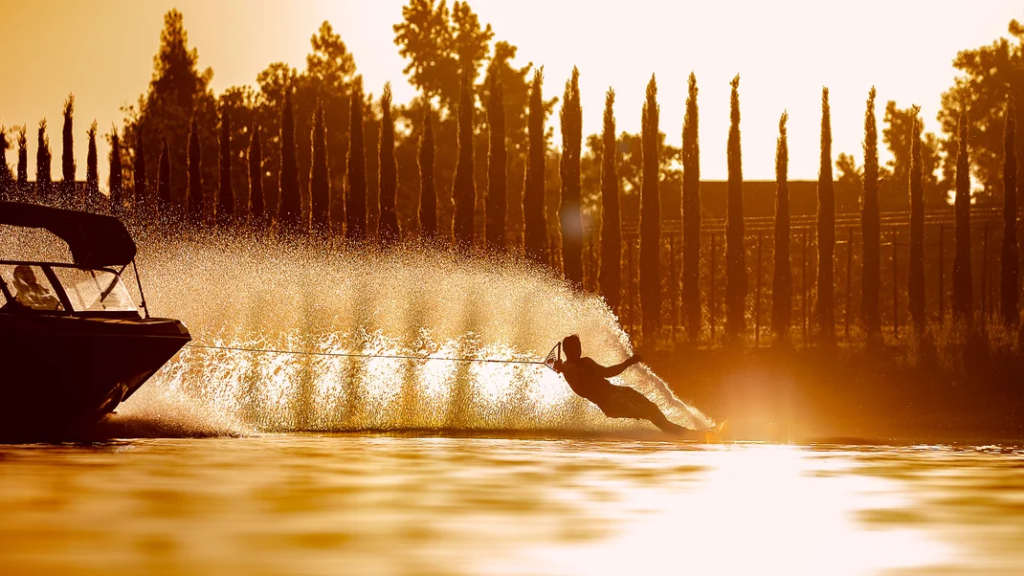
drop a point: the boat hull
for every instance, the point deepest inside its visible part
(60, 375)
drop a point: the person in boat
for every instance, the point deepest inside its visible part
(588, 379)
(30, 293)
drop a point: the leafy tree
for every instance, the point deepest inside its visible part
(569, 169)
(915, 282)
(355, 201)
(535, 234)
(242, 106)
(1009, 256)
(988, 76)
(897, 136)
(22, 157)
(195, 176)
(650, 220)
(610, 276)
(143, 203)
(319, 178)
(850, 175)
(691, 213)
(826, 314)
(497, 174)
(43, 157)
(226, 194)
(68, 151)
(871, 275)
(782, 275)
(164, 205)
(256, 197)
(464, 189)
(735, 252)
(289, 212)
(115, 179)
(92, 174)
(428, 196)
(388, 231)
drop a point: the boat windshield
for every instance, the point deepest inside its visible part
(29, 288)
(95, 290)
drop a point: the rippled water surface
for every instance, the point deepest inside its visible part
(362, 504)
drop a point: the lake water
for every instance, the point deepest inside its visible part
(381, 505)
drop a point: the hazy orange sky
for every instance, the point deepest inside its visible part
(785, 51)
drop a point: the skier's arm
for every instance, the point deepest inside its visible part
(615, 370)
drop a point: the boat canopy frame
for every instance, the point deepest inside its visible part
(95, 240)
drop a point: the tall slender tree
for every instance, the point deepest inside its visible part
(735, 252)
(226, 193)
(140, 189)
(92, 173)
(164, 206)
(428, 196)
(650, 219)
(826, 312)
(691, 214)
(289, 212)
(497, 173)
(915, 280)
(319, 174)
(464, 189)
(22, 157)
(1009, 256)
(388, 231)
(6, 181)
(535, 228)
(67, 158)
(963, 284)
(782, 275)
(43, 158)
(257, 200)
(871, 274)
(355, 201)
(569, 168)
(610, 276)
(195, 175)
(115, 180)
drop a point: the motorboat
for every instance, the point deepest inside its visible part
(73, 343)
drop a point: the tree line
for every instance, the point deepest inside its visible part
(310, 152)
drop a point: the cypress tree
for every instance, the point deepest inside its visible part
(319, 174)
(535, 228)
(497, 173)
(22, 158)
(650, 219)
(43, 157)
(1009, 257)
(735, 255)
(691, 214)
(782, 275)
(569, 212)
(428, 196)
(226, 192)
(6, 182)
(289, 212)
(871, 274)
(92, 173)
(256, 199)
(164, 208)
(825, 312)
(915, 280)
(355, 201)
(610, 276)
(67, 159)
(143, 205)
(388, 231)
(194, 201)
(115, 180)
(464, 189)
(963, 285)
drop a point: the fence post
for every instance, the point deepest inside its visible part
(895, 289)
(942, 302)
(711, 300)
(803, 287)
(757, 296)
(849, 266)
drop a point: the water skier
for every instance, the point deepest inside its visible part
(588, 379)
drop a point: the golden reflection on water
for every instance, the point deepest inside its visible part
(304, 504)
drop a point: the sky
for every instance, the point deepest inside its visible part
(785, 51)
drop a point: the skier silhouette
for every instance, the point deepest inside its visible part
(588, 379)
